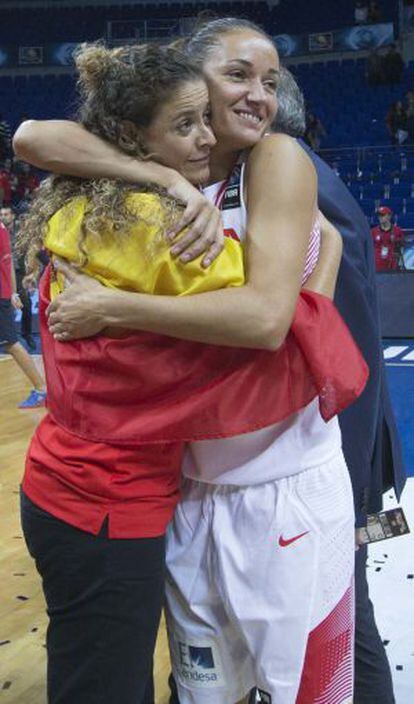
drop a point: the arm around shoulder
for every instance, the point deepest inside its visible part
(259, 314)
(281, 195)
(65, 147)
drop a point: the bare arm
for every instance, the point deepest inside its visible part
(282, 193)
(13, 277)
(15, 298)
(65, 147)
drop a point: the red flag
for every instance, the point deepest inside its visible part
(148, 388)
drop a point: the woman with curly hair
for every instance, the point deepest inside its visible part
(94, 513)
(296, 463)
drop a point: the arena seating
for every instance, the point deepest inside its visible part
(352, 113)
(24, 26)
(379, 176)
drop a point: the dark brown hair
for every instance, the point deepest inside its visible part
(116, 86)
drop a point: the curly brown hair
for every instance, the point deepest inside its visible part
(126, 84)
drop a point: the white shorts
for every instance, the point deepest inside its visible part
(260, 589)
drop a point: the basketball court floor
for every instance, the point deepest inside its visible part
(22, 618)
(391, 562)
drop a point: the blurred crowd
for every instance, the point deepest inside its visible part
(400, 120)
(367, 12)
(17, 181)
(384, 68)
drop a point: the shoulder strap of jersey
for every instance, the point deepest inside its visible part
(232, 195)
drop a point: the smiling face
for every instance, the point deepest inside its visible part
(180, 135)
(242, 73)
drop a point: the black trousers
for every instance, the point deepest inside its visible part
(373, 683)
(26, 323)
(104, 599)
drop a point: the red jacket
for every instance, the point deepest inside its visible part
(386, 245)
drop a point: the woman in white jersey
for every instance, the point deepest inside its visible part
(261, 552)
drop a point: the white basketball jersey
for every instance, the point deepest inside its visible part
(297, 443)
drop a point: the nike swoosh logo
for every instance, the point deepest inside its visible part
(284, 543)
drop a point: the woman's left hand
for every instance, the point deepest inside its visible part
(74, 314)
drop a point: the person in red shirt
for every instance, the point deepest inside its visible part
(27, 181)
(388, 239)
(10, 301)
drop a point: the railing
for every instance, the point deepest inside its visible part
(120, 32)
(361, 154)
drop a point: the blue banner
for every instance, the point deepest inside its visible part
(359, 38)
(60, 54)
(409, 258)
(408, 251)
(8, 56)
(291, 45)
(371, 36)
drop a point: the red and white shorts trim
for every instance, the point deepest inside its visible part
(260, 589)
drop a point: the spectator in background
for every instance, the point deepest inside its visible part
(397, 123)
(17, 181)
(5, 139)
(361, 12)
(409, 109)
(388, 240)
(10, 301)
(374, 69)
(393, 65)
(6, 183)
(314, 131)
(27, 181)
(14, 181)
(409, 100)
(9, 220)
(374, 13)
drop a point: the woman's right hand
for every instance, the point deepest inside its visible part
(203, 219)
(75, 314)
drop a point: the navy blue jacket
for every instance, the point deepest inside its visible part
(370, 439)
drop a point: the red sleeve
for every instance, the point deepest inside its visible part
(6, 288)
(5, 247)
